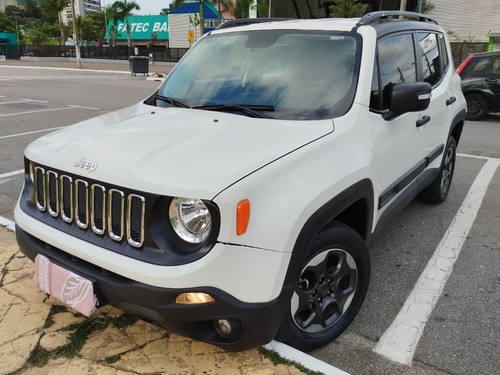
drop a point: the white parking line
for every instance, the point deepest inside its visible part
(28, 133)
(400, 340)
(10, 174)
(47, 110)
(22, 101)
(34, 100)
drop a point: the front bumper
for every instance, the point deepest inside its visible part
(252, 324)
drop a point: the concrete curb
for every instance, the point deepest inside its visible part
(6, 223)
(304, 359)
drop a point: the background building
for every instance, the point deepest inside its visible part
(462, 19)
(82, 8)
(467, 20)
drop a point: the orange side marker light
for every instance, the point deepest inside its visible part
(242, 216)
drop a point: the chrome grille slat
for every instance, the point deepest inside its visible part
(135, 219)
(98, 210)
(53, 193)
(82, 203)
(39, 181)
(104, 210)
(66, 202)
(115, 217)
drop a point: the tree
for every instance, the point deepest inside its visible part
(113, 17)
(347, 9)
(6, 23)
(33, 9)
(56, 7)
(242, 7)
(98, 28)
(223, 5)
(124, 11)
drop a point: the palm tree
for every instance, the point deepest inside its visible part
(226, 5)
(112, 14)
(56, 6)
(124, 11)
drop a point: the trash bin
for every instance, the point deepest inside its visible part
(139, 64)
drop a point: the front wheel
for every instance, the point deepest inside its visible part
(329, 291)
(438, 190)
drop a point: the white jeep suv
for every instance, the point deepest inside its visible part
(236, 204)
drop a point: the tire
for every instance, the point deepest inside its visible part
(438, 190)
(477, 107)
(330, 290)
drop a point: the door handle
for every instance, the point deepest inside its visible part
(452, 100)
(424, 120)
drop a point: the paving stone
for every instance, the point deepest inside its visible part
(141, 348)
(54, 340)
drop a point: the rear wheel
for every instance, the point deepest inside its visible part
(438, 190)
(477, 107)
(329, 291)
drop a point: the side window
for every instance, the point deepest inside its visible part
(396, 57)
(482, 66)
(431, 62)
(444, 52)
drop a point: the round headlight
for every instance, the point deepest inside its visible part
(190, 219)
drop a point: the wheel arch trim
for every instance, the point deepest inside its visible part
(359, 192)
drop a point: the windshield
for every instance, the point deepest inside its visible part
(288, 74)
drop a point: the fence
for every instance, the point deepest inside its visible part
(111, 53)
(459, 50)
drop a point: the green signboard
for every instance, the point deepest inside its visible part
(141, 28)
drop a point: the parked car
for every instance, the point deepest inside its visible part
(237, 202)
(480, 74)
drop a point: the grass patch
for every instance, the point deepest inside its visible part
(276, 359)
(80, 332)
(54, 309)
(112, 359)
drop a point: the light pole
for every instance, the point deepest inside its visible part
(75, 37)
(17, 33)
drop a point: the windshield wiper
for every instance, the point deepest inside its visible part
(173, 102)
(249, 110)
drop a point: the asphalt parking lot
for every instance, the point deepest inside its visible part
(433, 302)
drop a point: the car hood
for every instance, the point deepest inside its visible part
(172, 151)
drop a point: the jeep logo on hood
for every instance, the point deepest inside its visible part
(87, 165)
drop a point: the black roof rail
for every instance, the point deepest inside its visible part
(248, 21)
(373, 17)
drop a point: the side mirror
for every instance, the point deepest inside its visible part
(408, 97)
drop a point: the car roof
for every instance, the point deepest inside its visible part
(482, 54)
(384, 22)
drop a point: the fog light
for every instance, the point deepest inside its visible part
(224, 326)
(228, 329)
(193, 298)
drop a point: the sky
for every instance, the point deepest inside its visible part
(149, 6)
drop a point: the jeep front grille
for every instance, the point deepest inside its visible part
(91, 205)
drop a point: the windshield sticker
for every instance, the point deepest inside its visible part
(336, 37)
